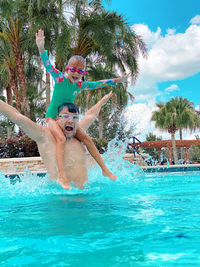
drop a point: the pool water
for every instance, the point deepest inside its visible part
(138, 220)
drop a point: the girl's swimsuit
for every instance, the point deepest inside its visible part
(65, 91)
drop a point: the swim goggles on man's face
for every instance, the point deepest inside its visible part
(73, 69)
(68, 116)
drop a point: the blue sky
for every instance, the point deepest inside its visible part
(171, 30)
(154, 13)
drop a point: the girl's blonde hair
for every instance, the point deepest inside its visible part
(77, 58)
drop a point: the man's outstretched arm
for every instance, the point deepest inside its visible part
(33, 130)
(93, 112)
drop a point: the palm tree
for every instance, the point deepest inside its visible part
(165, 119)
(178, 113)
(17, 27)
(11, 31)
(105, 36)
(35, 93)
(5, 85)
(186, 116)
(8, 73)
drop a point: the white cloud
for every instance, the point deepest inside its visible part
(197, 107)
(140, 115)
(190, 135)
(171, 31)
(172, 88)
(149, 37)
(174, 56)
(195, 20)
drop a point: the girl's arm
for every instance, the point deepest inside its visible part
(56, 74)
(95, 85)
(103, 83)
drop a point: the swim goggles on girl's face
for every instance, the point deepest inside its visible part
(73, 69)
(68, 116)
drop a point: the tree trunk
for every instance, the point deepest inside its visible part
(9, 95)
(22, 78)
(14, 86)
(181, 134)
(174, 148)
(10, 102)
(181, 148)
(48, 92)
(100, 124)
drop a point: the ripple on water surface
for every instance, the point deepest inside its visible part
(138, 220)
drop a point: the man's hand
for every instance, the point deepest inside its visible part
(39, 37)
(107, 97)
(92, 113)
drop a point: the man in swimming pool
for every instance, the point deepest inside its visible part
(75, 156)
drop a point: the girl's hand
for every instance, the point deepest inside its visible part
(39, 37)
(123, 78)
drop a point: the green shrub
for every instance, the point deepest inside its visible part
(18, 146)
(23, 146)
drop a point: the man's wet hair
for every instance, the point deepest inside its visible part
(71, 108)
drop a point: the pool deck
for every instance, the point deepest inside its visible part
(10, 166)
(13, 166)
(172, 168)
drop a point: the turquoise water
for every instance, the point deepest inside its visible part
(138, 220)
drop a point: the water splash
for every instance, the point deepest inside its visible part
(31, 185)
